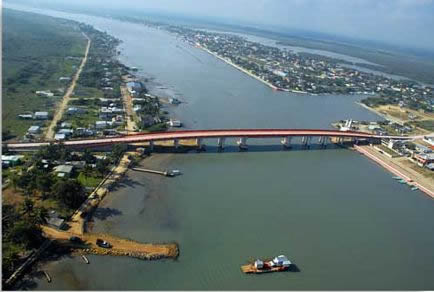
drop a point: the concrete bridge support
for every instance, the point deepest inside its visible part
(176, 143)
(242, 143)
(151, 145)
(199, 144)
(305, 141)
(286, 142)
(221, 143)
(323, 140)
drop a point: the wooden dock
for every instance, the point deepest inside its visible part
(150, 171)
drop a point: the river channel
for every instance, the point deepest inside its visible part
(338, 216)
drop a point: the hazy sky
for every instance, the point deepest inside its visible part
(409, 22)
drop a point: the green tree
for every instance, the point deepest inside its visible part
(69, 192)
(27, 206)
(117, 152)
(88, 157)
(102, 166)
(44, 181)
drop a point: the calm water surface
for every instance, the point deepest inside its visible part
(341, 218)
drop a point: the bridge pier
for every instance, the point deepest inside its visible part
(221, 143)
(286, 142)
(199, 144)
(151, 145)
(242, 143)
(323, 141)
(305, 141)
(176, 143)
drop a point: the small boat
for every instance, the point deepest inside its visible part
(402, 181)
(396, 177)
(278, 264)
(414, 188)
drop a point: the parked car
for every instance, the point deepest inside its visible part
(103, 243)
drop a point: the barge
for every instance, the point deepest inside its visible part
(278, 264)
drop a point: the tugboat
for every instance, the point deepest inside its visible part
(278, 264)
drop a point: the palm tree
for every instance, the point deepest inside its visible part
(27, 206)
(40, 215)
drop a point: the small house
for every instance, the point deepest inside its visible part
(67, 132)
(175, 123)
(12, 160)
(54, 221)
(41, 115)
(101, 124)
(44, 93)
(66, 125)
(59, 137)
(63, 170)
(34, 130)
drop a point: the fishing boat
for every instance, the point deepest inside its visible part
(396, 177)
(414, 188)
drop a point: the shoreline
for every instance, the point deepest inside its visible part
(250, 73)
(411, 179)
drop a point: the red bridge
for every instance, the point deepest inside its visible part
(221, 135)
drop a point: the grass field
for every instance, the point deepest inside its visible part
(34, 51)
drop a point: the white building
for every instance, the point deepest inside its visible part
(175, 123)
(429, 140)
(34, 130)
(41, 115)
(59, 137)
(44, 93)
(102, 124)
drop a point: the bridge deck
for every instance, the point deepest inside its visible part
(203, 134)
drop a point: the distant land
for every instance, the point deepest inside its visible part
(413, 63)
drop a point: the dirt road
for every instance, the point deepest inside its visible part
(131, 115)
(49, 135)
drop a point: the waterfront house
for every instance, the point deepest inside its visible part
(429, 140)
(424, 159)
(174, 101)
(134, 87)
(422, 148)
(175, 123)
(41, 116)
